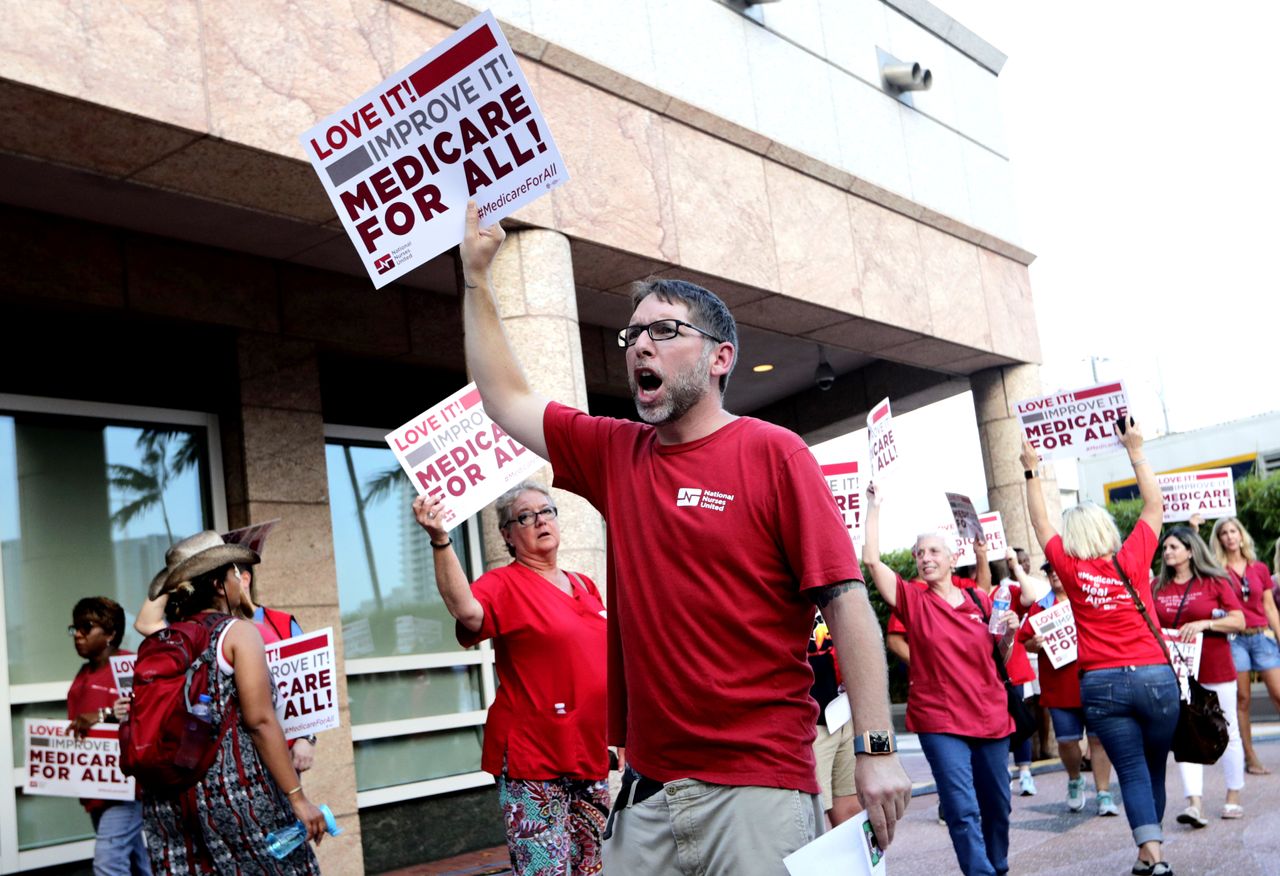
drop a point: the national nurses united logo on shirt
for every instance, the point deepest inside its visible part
(698, 497)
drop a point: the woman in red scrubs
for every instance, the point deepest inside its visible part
(545, 736)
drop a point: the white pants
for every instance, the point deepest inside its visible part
(1232, 759)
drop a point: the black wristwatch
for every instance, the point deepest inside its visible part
(875, 742)
(311, 738)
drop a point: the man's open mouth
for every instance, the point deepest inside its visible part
(647, 381)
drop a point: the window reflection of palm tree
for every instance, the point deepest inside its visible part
(376, 488)
(157, 467)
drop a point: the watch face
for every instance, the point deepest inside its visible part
(879, 740)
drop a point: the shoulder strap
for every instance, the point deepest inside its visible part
(1185, 593)
(1142, 609)
(995, 646)
(275, 617)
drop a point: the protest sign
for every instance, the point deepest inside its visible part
(253, 537)
(306, 688)
(1185, 657)
(1211, 494)
(846, 486)
(962, 546)
(56, 764)
(1057, 627)
(455, 450)
(849, 849)
(965, 516)
(122, 671)
(401, 161)
(880, 440)
(1069, 425)
(993, 530)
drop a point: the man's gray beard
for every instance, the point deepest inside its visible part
(684, 390)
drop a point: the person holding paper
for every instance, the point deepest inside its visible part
(723, 530)
(97, 626)
(544, 739)
(957, 703)
(1060, 694)
(1194, 598)
(1254, 649)
(1129, 693)
(220, 824)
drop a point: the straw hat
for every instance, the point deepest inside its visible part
(193, 556)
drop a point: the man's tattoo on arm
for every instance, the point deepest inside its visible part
(823, 596)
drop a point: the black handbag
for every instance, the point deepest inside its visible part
(1024, 723)
(1201, 735)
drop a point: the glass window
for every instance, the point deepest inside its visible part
(87, 508)
(395, 696)
(45, 821)
(386, 574)
(399, 760)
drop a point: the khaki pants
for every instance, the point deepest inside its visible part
(693, 828)
(836, 760)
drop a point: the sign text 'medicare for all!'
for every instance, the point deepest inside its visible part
(880, 439)
(1211, 494)
(400, 162)
(454, 450)
(1069, 425)
(846, 486)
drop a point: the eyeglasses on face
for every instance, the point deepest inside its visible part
(529, 518)
(83, 629)
(661, 330)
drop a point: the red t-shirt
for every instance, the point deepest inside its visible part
(548, 718)
(1203, 595)
(1110, 631)
(1019, 665)
(1259, 579)
(1059, 688)
(90, 690)
(711, 546)
(954, 687)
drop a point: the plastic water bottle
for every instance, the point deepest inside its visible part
(281, 843)
(1218, 613)
(999, 605)
(202, 707)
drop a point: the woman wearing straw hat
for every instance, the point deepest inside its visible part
(221, 823)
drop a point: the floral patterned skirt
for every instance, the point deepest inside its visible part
(554, 826)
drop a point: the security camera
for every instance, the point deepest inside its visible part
(907, 77)
(824, 377)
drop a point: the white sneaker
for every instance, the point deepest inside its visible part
(1026, 785)
(1191, 815)
(1075, 794)
(1107, 804)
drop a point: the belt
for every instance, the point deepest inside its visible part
(635, 789)
(1252, 631)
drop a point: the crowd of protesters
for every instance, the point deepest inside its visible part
(721, 768)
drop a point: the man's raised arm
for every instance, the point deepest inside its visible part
(507, 396)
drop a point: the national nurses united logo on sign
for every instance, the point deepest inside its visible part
(698, 497)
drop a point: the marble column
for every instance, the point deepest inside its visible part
(994, 392)
(275, 464)
(533, 280)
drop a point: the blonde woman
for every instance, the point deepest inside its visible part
(1128, 691)
(1253, 650)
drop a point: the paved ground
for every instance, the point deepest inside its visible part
(1047, 840)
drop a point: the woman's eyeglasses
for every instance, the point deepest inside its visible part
(83, 629)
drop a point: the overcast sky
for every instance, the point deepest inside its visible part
(1145, 157)
(1145, 160)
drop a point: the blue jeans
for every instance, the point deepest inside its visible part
(119, 849)
(1134, 710)
(972, 776)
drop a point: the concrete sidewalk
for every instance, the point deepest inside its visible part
(1047, 840)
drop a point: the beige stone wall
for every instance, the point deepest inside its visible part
(533, 280)
(276, 468)
(994, 392)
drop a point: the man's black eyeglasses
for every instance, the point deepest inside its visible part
(660, 330)
(529, 518)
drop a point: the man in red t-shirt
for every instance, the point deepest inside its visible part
(705, 546)
(97, 627)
